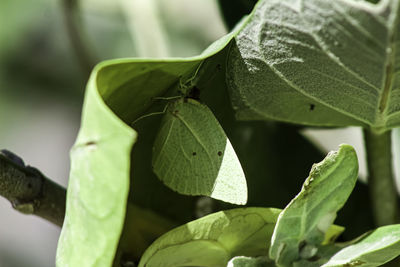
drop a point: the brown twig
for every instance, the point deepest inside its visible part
(29, 191)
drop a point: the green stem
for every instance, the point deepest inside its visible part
(381, 180)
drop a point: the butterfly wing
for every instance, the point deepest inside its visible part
(192, 154)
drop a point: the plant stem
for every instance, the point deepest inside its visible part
(74, 29)
(381, 180)
(29, 191)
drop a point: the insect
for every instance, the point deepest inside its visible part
(192, 154)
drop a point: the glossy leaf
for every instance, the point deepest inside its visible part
(214, 239)
(118, 92)
(375, 249)
(317, 62)
(193, 155)
(302, 225)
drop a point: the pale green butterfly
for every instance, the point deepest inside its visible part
(192, 154)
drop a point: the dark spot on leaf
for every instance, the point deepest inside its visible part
(90, 143)
(219, 153)
(194, 153)
(219, 67)
(312, 106)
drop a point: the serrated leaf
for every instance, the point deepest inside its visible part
(302, 225)
(317, 62)
(192, 154)
(214, 239)
(375, 249)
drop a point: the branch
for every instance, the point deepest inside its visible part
(381, 179)
(29, 191)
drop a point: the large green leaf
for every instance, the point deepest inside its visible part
(302, 225)
(214, 239)
(193, 155)
(319, 62)
(375, 249)
(98, 186)
(118, 91)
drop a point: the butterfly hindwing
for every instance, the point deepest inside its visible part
(192, 154)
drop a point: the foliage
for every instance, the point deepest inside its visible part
(315, 62)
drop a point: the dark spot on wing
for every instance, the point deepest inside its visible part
(175, 112)
(194, 153)
(219, 153)
(312, 107)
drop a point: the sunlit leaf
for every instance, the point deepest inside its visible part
(302, 225)
(375, 249)
(118, 92)
(98, 186)
(214, 239)
(319, 62)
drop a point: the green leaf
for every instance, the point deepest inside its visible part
(98, 186)
(128, 86)
(302, 225)
(118, 91)
(193, 155)
(242, 261)
(214, 239)
(375, 249)
(317, 62)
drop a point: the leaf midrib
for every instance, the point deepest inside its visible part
(389, 70)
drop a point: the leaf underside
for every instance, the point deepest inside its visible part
(317, 62)
(214, 239)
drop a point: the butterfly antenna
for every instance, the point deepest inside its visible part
(149, 115)
(189, 82)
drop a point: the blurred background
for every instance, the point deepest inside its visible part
(42, 82)
(43, 71)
